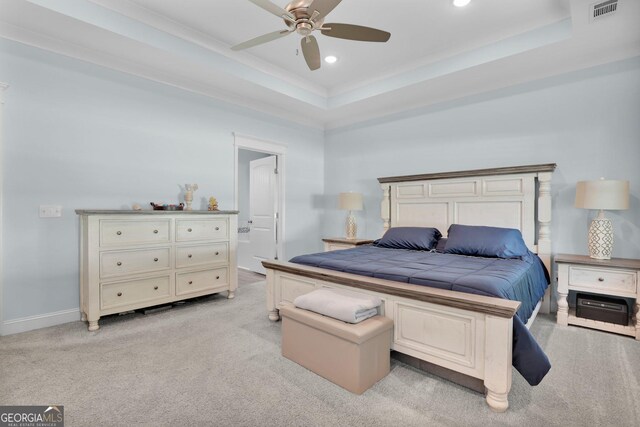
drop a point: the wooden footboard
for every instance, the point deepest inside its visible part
(466, 333)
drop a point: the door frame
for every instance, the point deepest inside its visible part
(251, 143)
(3, 87)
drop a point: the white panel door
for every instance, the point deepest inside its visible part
(262, 211)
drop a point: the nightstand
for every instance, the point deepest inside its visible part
(616, 277)
(337, 243)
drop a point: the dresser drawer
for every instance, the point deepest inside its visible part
(134, 232)
(134, 292)
(198, 281)
(188, 230)
(192, 256)
(115, 263)
(603, 279)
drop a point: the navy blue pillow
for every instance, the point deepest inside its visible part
(414, 238)
(476, 240)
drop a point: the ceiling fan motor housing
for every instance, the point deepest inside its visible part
(303, 24)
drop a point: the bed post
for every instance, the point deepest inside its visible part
(271, 296)
(497, 361)
(385, 206)
(544, 231)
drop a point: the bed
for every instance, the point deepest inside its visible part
(463, 333)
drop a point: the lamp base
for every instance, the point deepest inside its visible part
(600, 238)
(352, 228)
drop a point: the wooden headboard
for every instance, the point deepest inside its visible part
(514, 197)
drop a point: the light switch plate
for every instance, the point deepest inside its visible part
(50, 211)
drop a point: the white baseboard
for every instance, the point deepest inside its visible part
(30, 323)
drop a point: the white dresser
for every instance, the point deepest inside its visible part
(135, 259)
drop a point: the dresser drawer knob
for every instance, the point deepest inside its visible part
(191, 282)
(217, 253)
(119, 233)
(119, 294)
(600, 279)
(155, 259)
(217, 228)
(189, 230)
(217, 277)
(155, 231)
(189, 256)
(155, 288)
(118, 263)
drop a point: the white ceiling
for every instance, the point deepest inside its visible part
(436, 53)
(421, 30)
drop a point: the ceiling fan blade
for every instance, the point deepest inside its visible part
(261, 39)
(323, 7)
(311, 52)
(272, 8)
(356, 32)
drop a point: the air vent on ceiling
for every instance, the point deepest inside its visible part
(602, 9)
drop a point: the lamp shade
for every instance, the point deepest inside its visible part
(602, 194)
(350, 201)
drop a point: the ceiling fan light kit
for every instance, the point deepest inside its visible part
(461, 3)
(306, 16)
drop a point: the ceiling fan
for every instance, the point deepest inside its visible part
(306, 16)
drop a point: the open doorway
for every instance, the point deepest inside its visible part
(259, 192)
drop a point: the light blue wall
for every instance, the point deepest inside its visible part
(587, 122)
(83, 136)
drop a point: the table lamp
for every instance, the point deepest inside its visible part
(351, 202)
(603, 195)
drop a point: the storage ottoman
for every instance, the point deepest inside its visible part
(353, 356)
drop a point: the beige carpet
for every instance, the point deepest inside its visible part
(217, 362)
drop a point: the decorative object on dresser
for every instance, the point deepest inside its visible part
(616, 277)
(188, 194)
(165, 207)
(471, 336)
(337, 243)
(136, 259)
(602, 195)
(351, 202)
(213, 204)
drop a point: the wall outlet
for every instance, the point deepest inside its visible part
(50, 211)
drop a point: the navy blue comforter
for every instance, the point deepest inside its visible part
(514, 279)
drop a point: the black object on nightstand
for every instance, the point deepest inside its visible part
(604, 309)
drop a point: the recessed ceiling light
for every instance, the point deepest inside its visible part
(330, 59)
(460, 3)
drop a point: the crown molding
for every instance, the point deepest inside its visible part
(104, 59)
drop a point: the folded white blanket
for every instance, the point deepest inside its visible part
(343, 305)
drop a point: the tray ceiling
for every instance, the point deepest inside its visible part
(436, 53)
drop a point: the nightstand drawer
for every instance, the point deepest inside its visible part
(603, 279)
(336, 247)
